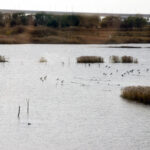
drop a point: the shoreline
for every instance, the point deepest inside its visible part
(72, 35)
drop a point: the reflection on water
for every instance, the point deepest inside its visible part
(72, 106)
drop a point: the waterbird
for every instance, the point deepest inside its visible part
(62, 63)
(45, 77)
(62, 81)
(41, 79)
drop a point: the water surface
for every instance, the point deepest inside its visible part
(78, 107)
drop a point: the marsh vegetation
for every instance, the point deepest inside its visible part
(123, 59)
(43, 60)
(90, 59)
(3, 59)
(137, 93)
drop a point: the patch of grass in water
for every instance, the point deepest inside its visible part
(43, 60)
(123, 59)
(128, 59)
(90, 59)
(3, 59)
(115, 59)
(137, 93)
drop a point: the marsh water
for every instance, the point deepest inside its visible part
(76, 106)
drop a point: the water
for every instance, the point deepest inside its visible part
(77, 107)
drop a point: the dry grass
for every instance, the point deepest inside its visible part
(123, 59)
(137, 93)
(3, 59)
(71, 35)
(115, 59)
(128, 59)
(90, 59)
(43, 60)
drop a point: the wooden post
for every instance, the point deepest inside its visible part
(19, 112)
(27, 106)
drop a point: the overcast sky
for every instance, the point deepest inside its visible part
(109, 6)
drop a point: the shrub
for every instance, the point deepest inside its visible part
(18, 30)
(42, 60)
(90, 59)
(3, 59)
(111, 21)
(115, 59)
(123, 59)
(18, 19)
(137, 93)
(128, 59)
(89, 21)
(134, 22)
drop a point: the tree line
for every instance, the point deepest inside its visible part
(62, 21)
(129, 22)
(49, 20)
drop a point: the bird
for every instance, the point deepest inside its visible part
(29, 123)
(62, 63)
(45, 77)
(41, 79)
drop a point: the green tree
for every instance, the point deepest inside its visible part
(134, 22)
(111, 21)
(19, 19)
(1, 20)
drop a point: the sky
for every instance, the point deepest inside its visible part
(103, 6)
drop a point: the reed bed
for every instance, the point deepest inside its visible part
(3, 59)
(90, 59)
(115, 59)
(128, 59)
(137, 93)
(123, 59)
(43, 60)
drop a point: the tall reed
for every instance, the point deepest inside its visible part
(90, 59)
(137, 93)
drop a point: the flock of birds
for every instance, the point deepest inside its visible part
(108, 72)
(57, 80)
(43, 78)
(136, 71)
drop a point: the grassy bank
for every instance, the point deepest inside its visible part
(71, 35)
